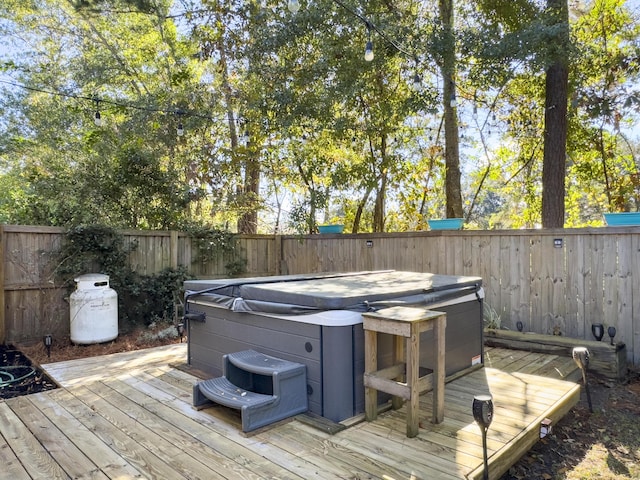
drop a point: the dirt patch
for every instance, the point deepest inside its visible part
(63, 349)
(604, 444)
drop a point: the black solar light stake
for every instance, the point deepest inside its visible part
(612, 333)
(483, 414)
(581, 357)
(598, 331)
(48, 340)
(180, 330)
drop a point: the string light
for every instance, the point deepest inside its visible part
(368, 50)
(98, 101)
(417, 79)
(180, 129)
(97, 118)
(293, 6)
(453, 102)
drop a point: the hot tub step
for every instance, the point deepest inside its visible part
(265, 389)
(222, 391)
(256, 362)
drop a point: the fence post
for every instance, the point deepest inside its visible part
(173, 245)
(2, 309)
(277, 254)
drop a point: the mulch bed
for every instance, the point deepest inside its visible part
(18, 375)
(612, 427)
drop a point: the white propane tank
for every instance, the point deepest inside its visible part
(94, 310)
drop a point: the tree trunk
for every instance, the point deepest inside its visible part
(379, 206)
(248, 221)
(453, 191)
(555, 121)
(379, 210)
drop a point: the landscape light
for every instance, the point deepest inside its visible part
(598, 331)
(48, 340)
(483, 415)
(180, 330)
(581, 357)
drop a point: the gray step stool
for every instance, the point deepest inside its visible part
(265, 389)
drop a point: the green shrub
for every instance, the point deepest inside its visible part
(142, 299)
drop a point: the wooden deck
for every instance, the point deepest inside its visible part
(130, 416)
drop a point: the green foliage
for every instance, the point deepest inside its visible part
(327, 134)
(153, 297)
(142, 299)
(213, 244)
(88, 248)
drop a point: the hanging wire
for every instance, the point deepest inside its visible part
(96, 100)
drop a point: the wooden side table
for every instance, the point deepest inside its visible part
(405, 324)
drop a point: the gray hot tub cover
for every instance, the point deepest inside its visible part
(301, 294)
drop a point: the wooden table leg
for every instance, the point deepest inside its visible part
(439, 370)
(398, 358)
(413, 367)
(370, 365)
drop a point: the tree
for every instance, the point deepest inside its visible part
(328, 93)
(555, 120)
(605, 99)
(452, 150)
(129, 67)
(282, 108)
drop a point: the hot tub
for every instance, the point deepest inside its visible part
(316, 320)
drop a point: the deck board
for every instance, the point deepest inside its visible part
(129, 415)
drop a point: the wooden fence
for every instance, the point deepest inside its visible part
(33, 305)
(553, 281)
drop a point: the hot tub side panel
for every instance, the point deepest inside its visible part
(338, 373)
(463, 347)
(463, 340)
(225, 332)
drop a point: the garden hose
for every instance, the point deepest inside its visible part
(8, 378)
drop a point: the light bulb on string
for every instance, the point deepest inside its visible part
(417, 82)
(453, 102)
(97, 118)
(293, 6)
(368, 49)
(475, 112)
(180, 128)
